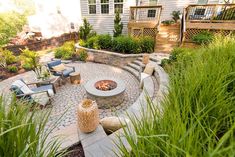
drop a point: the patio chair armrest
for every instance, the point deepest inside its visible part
(39, 82)
(70, 67)
(29, 94)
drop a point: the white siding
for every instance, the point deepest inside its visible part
(172, 5)
(104, 23)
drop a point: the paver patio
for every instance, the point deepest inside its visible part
(69, 96)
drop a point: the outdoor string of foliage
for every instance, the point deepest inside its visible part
(197, 117)
(22, 131)
(118, 25)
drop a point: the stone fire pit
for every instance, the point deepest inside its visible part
(107, 92)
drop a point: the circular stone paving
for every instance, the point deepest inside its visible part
(68, 96)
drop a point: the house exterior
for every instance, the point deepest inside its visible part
(55, 17)
(101, 13)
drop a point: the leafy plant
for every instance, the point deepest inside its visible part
(176, 15)
(31, 58)
(93, 42)
(105, 41)
(7, 57)
(168, 22)
(197, 116)
(10, 24)
(126, 44)
(147, 44)
(85, 30)
(118, 25)
(204, 37)
(27, 66)
(12, 68)
(65, 51)
(23, 131)
(82, 43)
(83, 55)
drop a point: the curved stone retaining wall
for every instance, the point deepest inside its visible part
(110, 58)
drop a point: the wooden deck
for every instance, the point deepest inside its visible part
(218, 18)
(144, 20)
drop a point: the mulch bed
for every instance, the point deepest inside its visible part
(75, 151)
(5, 74)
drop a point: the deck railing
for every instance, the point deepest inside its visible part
(211, 13)
(216, 18)
(145, 13)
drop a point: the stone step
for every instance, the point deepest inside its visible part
(154, 59)
(134, 66)
(133, 71)
(140, 59)
(138, 63)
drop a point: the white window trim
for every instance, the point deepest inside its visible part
(88, 7)
(104, 4)
(118, 3)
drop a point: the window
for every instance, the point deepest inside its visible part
(104, 6)
(202, 2)
(118, 6)
(151, 13)
(92, 6)
(153, 1)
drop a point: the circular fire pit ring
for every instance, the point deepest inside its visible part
(107, 92)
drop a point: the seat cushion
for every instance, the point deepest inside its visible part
(66, 72)
(42, 88)
(53, 63)
(112, 124)
(59, 68)
(149, 69)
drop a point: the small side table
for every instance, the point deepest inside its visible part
(75, 78)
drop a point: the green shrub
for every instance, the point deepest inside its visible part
(86, 31)
(82, 43)
(11, 23)
(118, 25)
(7, 56)
(168, 22)
(23, 131)
(93, 42)
(126, 44)
(65, 51)
(27, 66)
(175, 15)
(204, 37)
(105, 41)
(31, 59)
(83, 55)
(12, 68)
(197, 116)
(147, 44)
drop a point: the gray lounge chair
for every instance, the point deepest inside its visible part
(65, 73)
(41, 95)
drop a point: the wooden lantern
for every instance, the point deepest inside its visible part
(88, 116)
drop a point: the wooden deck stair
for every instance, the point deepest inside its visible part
(167, 38)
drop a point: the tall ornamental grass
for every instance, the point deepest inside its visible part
(22, 132)
(197, 117)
